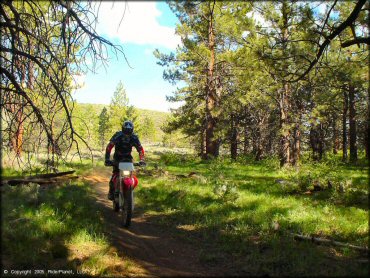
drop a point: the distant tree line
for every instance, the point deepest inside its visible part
(119, 110)
(272, 78)
(97, 123)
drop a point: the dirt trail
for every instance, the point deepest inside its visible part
(151, 247)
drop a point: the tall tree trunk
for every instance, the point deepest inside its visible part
(202, 152)
(212, 144)
(285, 98)
(258, 149)
(352, 125)
(19, 118)
(284, 126)
(366, 139)
(13, 141)
(366, 143)
(256, 144)
(234, 138)
(321, 141)
(367, 135)
(245, 143)
(19, 132)
(259, 139)
(296, 148)
(344, 126)
(314, 142)
(204, 144)
(335, 136)
(269, 144)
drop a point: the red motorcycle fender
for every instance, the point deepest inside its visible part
(127, 182)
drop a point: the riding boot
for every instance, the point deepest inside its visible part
(111, 191)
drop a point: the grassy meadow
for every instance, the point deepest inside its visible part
(245, 212)
(239, 214)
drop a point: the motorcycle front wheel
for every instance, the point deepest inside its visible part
(127, 207)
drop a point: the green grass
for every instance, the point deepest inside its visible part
(229, 210)
(233, 207)
(37, 165)
(59, 227)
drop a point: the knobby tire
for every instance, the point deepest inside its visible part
(127, 209)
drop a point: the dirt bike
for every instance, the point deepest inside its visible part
(124, 185)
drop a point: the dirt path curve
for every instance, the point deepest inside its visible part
(156, 251)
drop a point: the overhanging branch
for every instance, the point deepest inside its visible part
(348, 22)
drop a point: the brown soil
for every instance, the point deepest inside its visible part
(152, 248)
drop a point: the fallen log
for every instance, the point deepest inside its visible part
(42, 176)
(52, 175)
(328, 241)
(14, 182)
(25, 182)
(28, 179)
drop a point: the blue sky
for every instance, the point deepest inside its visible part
(145, 27)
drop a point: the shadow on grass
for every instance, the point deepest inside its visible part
(38, 224)
(242, 238)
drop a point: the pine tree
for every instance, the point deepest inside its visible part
(118, 108)
(103, 127)
(148, 129)
(202, 64)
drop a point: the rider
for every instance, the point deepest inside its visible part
(123, 141)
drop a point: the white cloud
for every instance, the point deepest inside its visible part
(139, 23)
